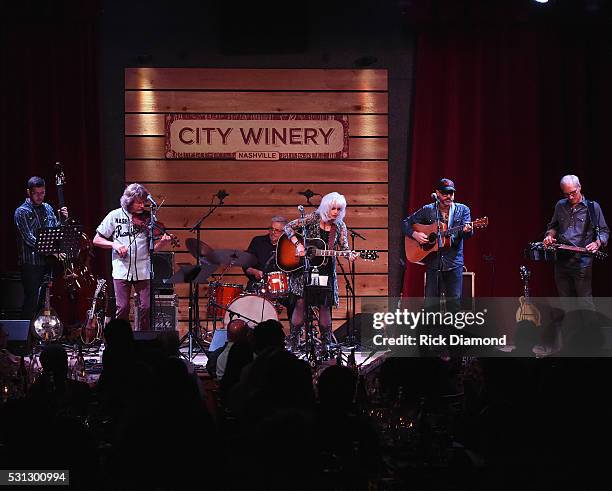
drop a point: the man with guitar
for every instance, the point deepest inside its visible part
(445, 266)
(130, 244)
(33, 215)
(580, 224)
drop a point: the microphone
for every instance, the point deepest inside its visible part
(354, 232)
(153, 202)
(221, 195)
(308, 194)
(434, 196)
(301, 209)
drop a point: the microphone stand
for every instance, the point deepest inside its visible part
(194, 319)
(440, 243)
(308, 327)
(152, 222)
(351, 338)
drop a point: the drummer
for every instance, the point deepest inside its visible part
(263, 247)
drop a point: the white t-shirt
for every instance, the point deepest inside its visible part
(222, 360)
(118, 227)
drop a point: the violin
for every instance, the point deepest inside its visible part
(142, 222)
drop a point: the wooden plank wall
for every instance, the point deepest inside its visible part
(259, 190)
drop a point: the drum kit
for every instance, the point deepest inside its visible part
(226, 301)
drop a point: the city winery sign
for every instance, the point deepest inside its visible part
(256, 136)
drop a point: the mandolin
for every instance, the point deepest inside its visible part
(316, 250)
(92, 328)
(415, 252)
(527, 311)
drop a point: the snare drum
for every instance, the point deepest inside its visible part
(222, 294)
(277, 284)
(255, 309)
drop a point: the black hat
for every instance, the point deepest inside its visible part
(446, 186)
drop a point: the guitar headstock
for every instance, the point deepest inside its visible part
(60, 179)
(480, 222)
(100, 286)
(525, 273)
(368, 255)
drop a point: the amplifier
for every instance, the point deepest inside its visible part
(166, 313)
(468, 291)
(163, 268)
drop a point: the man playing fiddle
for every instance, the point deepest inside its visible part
(121, 231)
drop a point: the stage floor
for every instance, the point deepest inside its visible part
(366, 361)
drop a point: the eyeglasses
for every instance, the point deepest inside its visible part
(446, 193)
(276, 230)
(571, 193)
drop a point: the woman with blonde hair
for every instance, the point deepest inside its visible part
(327, 224)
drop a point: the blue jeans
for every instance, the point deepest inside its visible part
(448, 282)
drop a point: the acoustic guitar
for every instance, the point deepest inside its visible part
(415, 252)
(527, 311)
(316, 250)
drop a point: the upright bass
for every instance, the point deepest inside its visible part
(74, 284)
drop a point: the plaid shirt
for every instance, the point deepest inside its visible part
(29, 220)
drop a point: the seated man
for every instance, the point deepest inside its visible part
(237, 331)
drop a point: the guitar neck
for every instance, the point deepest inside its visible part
(457, 228)
(331, 253)
(571, 248)
(47, 299)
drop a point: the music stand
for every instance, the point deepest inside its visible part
(58, 240)
(194, 275)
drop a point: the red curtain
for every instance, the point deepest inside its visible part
(48, 101)
(505, 111)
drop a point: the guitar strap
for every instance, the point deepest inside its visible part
(591, 213)
(332, 236)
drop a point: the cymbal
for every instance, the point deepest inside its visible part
(235, 257)
(192, 273)
(192, 247)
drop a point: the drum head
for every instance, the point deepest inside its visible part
(253, 308)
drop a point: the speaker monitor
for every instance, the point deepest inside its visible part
(16, 332)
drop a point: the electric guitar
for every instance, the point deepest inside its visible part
(316, 250)
(47, 326)
(527, 310)
(91, 330)
(415, 252)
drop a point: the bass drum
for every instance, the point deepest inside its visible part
(253, 308)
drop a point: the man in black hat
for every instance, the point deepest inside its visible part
(444, 268)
